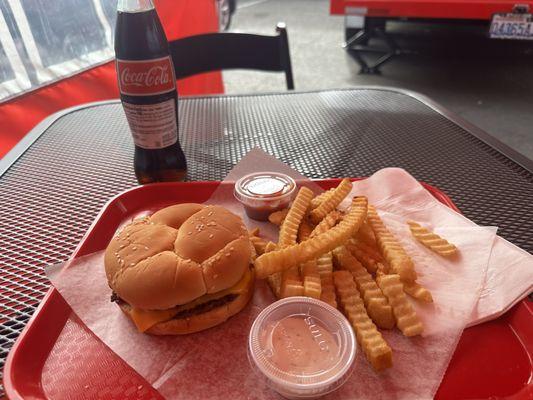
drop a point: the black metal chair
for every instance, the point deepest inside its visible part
(217, 51)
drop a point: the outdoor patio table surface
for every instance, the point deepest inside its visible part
(53, 184)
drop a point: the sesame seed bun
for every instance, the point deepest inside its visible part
(175, 216)
(176, 256)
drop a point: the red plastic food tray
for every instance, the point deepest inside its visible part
(56, 356)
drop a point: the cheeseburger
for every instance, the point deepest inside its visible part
(182, 270)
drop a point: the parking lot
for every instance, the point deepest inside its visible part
(487, 82)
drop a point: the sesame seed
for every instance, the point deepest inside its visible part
(211, 236)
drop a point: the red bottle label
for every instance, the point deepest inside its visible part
(146, 77)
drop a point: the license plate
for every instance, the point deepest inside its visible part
(511, 26)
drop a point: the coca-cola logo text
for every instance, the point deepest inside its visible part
(154, 76)
(145, 77)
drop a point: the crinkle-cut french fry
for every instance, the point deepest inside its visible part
(259, 244)
(331, 202)
(274, 280)
(324, 264)
(382, 269)
(327, 281)
(325, 270)
(291, 283)
(294, 255)
(311, 278)
(277, 217)
(391, 249)
(376, 349)
(270, 246)
(320, 198)
(365, 234)
(291, 280)
(327, 223)
(368, 262)
(289, 228)
(292, 289)
(329, 297)
(406, 318)
(375, 301)
(312, 287)
(366, 248)
(304, 230)
(418, 292)
(431, 240)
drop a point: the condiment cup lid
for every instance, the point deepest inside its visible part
(322, 346)
(264, 185)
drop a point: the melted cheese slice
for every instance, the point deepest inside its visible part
(145, 319)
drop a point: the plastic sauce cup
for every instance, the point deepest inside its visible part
(262, 193)
(302, 347)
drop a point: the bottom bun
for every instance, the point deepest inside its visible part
(201, 321)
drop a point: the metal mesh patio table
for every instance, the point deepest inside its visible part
(53, 183)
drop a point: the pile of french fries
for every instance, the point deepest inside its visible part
(349, 260)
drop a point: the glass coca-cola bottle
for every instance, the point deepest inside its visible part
(148, 92)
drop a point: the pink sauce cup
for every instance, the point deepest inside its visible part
(302, 347)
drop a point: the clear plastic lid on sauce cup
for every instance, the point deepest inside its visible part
(302, 347)
(262, 193)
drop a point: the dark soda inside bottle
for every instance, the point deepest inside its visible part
(148, 92)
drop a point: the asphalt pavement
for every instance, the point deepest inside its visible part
(487, 82)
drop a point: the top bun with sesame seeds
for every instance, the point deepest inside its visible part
(184, 269)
